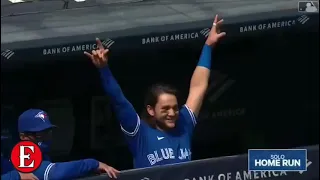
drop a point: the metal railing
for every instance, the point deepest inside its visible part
(222, 168)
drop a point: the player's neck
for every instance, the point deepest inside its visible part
(160, 127)
(154, 124)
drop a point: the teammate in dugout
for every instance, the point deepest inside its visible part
(164, 137)
(34, 125)
(8, 172)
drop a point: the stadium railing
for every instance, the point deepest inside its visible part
(222, 168)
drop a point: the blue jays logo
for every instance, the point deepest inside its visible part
(41, 115)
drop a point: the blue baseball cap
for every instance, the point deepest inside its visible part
(34, 120)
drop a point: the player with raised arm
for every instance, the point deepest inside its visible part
(164, 134)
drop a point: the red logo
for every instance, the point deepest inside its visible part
(26, 156)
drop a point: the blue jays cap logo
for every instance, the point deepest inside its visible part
(42, 115)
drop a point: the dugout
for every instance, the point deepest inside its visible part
(264, 95)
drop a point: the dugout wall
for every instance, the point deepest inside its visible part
(264, 92)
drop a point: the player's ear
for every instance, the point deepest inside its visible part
(150, 110)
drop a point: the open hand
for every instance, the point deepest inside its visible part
(112, 172)
(215, 33)
(27, 176)
(98, 57)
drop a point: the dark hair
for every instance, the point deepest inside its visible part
(152, 95)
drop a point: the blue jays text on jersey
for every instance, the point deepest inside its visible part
(168, 154)
(150, 146)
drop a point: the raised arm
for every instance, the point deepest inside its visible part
(124, 110)
(200, 78)
(129, 120)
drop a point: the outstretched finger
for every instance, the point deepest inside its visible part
(115, 170)
(113, 174)
(99, 44)
(222, 34)
(109, 174)
(215, 19)
(220, 22)
(88, 54)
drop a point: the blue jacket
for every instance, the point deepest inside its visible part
(11, 175)
(6, 165)
(59, 171)
(66, 170)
